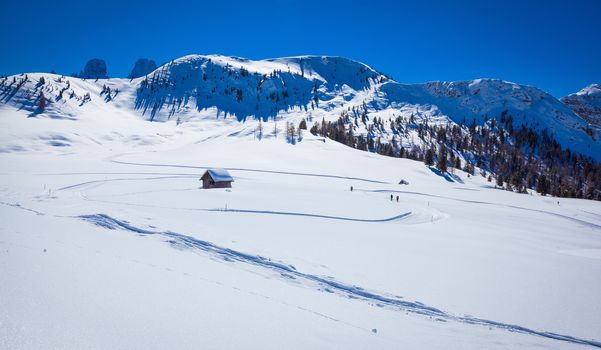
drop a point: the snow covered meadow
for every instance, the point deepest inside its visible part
(108, 241)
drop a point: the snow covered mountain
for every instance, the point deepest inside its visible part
(198, 86)
(586, 103)
(488, 98)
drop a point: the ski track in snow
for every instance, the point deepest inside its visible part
(578, 221)
(19, 206)
(122, 179)
(588, 212)
(329, 284)
(254, 211)
(251, 170)
(114, 173)
(271, 212)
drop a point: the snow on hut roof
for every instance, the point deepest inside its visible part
(220, 175)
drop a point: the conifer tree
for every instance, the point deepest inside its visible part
(457, 163)
(429, 157)
(441, 163)
(541, 185)
(499, 180)
(41, 102)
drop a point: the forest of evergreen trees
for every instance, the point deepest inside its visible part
(516, 159)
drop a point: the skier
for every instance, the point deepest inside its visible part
(351, 188)
(397, 198)
(391, 196)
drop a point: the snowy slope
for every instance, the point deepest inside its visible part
(244, 88)
(106, 241)
(586, 103)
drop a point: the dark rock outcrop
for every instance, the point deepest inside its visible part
(142, 67)
(94, 69)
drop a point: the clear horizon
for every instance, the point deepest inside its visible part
(551, 45)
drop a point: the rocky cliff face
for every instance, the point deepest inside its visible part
(94, 69)
(587, 104)
(142, 67)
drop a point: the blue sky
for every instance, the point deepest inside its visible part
(555, 45)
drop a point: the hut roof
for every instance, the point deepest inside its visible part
(219, 175)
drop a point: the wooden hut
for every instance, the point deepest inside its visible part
(216, 178)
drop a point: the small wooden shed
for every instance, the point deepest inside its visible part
(216, 178)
